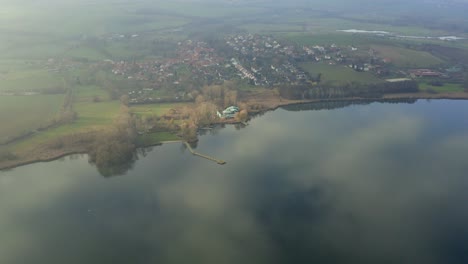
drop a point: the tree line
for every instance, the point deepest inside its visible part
(351, 89)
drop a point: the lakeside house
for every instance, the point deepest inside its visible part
(424, 73)
(229, 112)
(398, 80)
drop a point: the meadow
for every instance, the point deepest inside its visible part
(23, 114)
(445, 88)
(91, 117)
(95, 116)
(338, 74)
(29, 81)
(89, 93)
(311, 39)
(407, 58)
(155, 109)
(156, 138)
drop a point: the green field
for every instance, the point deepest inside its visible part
(29, 80)
(310, 39)
(154, 109)
(156, 138)
(333, 24)
(446, 88)
(89, 93)
(91, 116)
(22, 114)
(27, 76)
(338, 74)
(403, 57)
(97, 116)
(271, 28)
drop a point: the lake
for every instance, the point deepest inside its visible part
(327, 183)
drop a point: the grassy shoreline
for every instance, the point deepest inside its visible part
(48, 155)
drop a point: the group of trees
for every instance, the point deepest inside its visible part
(222, 95)
(66, 114)
(212, 99)
(208, 102)
(155, 123)
(188, 131)
(351, 89)
(243, 115)
(115, 147)
(204, 113)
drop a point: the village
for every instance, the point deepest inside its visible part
(254, 59)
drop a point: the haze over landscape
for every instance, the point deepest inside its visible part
(233, 131)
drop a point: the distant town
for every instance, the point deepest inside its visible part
(255, 60)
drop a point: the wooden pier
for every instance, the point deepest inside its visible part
(220, 162)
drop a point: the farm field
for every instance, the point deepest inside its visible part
(94, 115)
(154, 109)
(311, 39)
(89, 53)
(97, 116)
(89, 93)
(91, 116)
(29, 112)
(446, 88)
(316, 22)
(407, 58)
(31, 80)
(272, 28)
(17, 48)
(338, 74)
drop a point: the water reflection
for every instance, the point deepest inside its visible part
(377, 183)
(330, 105)
(215, 130)
(116, 166)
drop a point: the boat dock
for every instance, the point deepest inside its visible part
(220, 162)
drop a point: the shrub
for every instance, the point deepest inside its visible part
(6, 155)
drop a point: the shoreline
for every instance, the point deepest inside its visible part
(269, 106)
(401, 96)
(66, 153)
(26, 162)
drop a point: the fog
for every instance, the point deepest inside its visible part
(109, 78)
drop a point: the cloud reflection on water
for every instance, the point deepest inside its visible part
(359, 184)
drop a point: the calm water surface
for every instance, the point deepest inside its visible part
(378, 183)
